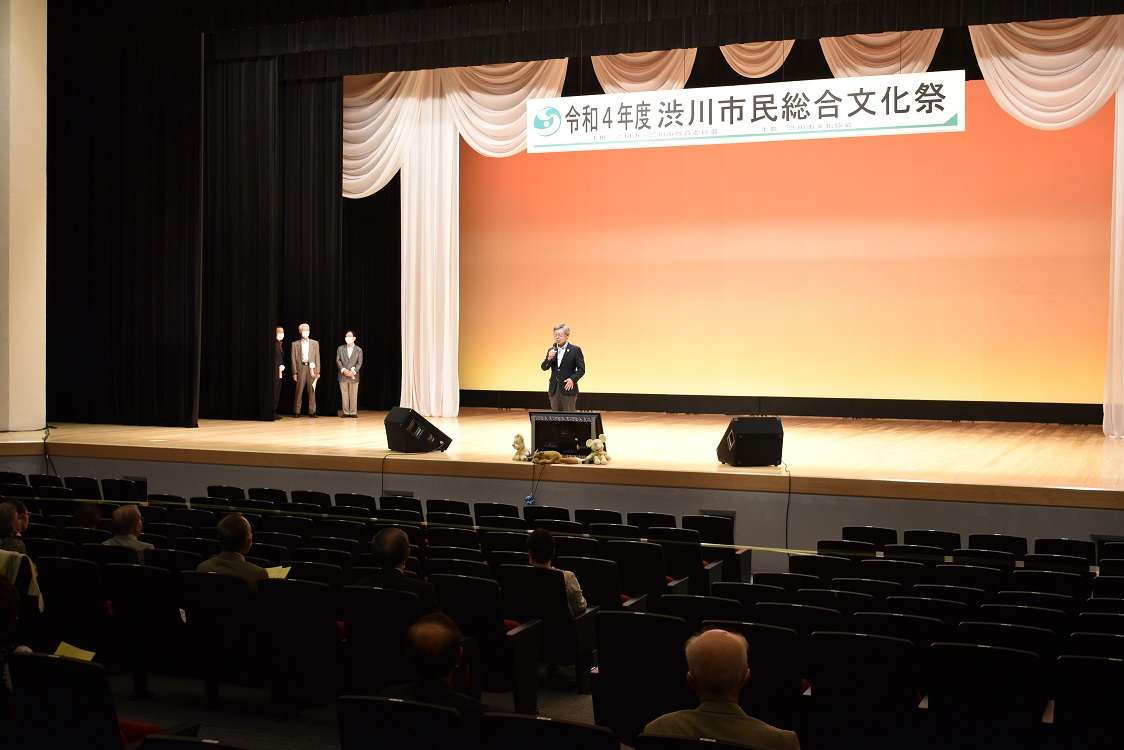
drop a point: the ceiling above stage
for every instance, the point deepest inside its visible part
(326, 38)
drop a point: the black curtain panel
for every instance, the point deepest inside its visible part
(240, 239)
(124, 236)
(372, 291)
(311, 175)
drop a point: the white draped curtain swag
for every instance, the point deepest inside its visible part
(878, 54)
(412, 121)
(632, 72)
(1048, 75)
(756, 59)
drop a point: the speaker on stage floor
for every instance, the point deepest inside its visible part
(410, 432)
(752, 441)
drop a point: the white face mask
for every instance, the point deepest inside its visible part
(304, 334)
(349, 339)
(280, 337)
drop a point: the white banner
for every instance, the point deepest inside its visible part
(832, 108)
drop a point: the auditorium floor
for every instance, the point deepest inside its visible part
(245, 721)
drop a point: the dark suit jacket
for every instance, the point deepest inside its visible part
(573, 366)
(278, 359)
(393, 578)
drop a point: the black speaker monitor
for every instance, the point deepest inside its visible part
(752, 441)
(564, 431)
(410, 432)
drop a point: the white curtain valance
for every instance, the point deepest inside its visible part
(380, 116)
(878, 54)
(756, 59)
(488, 103)
(1052, 74)
(631, 72)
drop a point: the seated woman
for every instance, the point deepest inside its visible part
(540, 549)
(12, 524)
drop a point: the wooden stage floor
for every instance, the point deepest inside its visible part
(1031, 464)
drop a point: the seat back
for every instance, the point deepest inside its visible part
(63, 702)
(824, 567)
(632, 688)
(576, 546)
(535, 513)
(946, 541)
(645, 520)
(275, 496)
(396, 723)
(504, 731)
(533, 593)
(396, 502)
(1013, 545)
(879, 536)
(599, 579)
(639, 566)
(1082, 548)
(304, 612)
(444, 505)
(682, 556)
(489, 510)
(860, 672)
(77, 612)
(587, 516)
(312, 497)
(775, 662)
(696, 609)
(85, 488)
(222, 626)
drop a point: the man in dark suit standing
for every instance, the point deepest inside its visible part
(566, 365)
(391, 550)
(306, 370)
(278, 369)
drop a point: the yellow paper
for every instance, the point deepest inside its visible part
(278, 572)
(65, 649)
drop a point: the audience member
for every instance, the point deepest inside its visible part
(11, 526)
(9, 618)
(434, 645)
(87, 515)
(717, 664)
(127, 524)
(236, 538)
(391, 550)
(540, 549)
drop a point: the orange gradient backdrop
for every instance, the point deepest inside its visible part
(968, 266)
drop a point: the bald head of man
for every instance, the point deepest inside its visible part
(717, 664)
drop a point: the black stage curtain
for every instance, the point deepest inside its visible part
(123, 238)
(372, 291)
(240, 231)
(310, 252)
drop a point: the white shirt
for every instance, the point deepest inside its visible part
(304, 350)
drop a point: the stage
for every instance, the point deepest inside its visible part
(1033, 479)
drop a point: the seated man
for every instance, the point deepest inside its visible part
(717, 664)
(434, 645)
(540, 549)
(127, 525)
(236, 539)
(87, 516)
(391, 550)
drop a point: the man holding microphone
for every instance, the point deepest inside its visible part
(566, 365)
